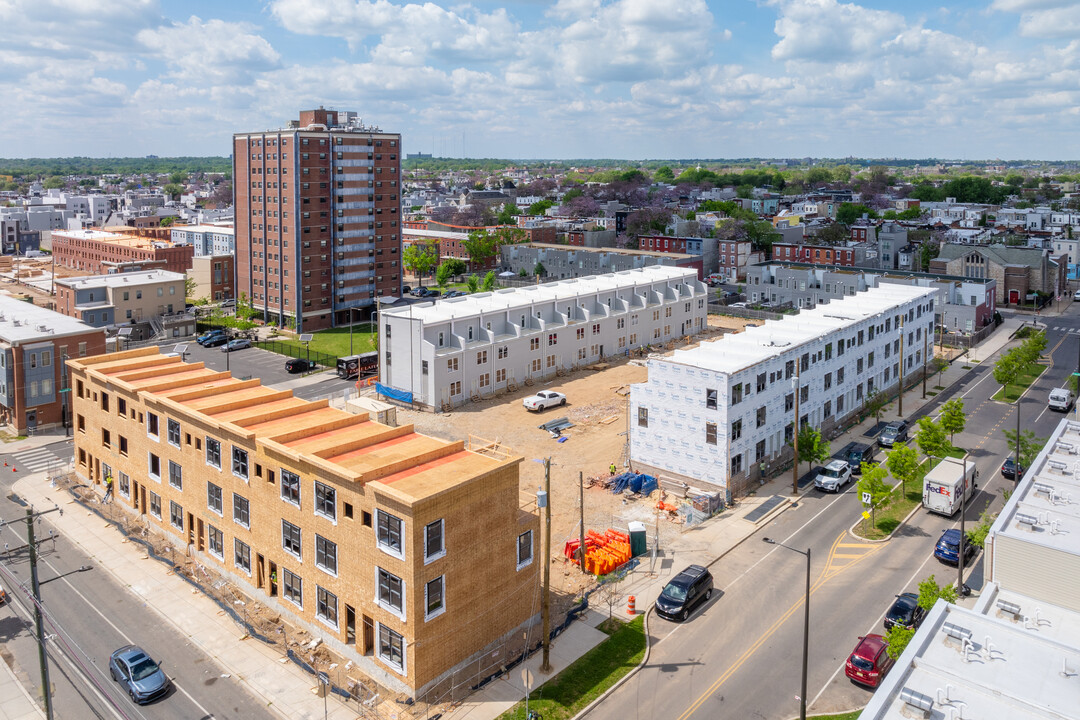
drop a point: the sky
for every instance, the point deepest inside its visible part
(566, 79)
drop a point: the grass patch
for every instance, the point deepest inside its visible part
(335, 341)
(931, 393)
(843, 716)
(965, 367)
(587, 678)
(1027, 376)
(889, 517)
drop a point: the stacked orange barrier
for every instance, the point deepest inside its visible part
(603, 552)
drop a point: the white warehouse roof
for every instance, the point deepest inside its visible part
(509, 298)
(735, 352)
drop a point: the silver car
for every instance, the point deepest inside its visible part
(138, 674)
(833, 476)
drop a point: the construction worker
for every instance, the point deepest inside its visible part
(108, 490)
(611, 469)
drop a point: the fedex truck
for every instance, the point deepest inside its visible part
(945, 485)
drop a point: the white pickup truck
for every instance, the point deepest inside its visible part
(543, 400)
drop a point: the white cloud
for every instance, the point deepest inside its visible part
(212, 52)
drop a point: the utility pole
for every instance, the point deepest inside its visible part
(795, 436)
(545, 607)
(925, 363)
(581, 503)
(960, 545)
(900, 395)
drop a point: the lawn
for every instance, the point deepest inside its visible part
(843, 716)
(889, 517)
(335, 341)
(586, 679)
(1027, 376)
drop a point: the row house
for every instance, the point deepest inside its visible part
(848, 256)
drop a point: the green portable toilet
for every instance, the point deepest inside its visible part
(638, 539)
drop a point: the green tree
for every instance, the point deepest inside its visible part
(190, 287)
(848, 213)
(1029, 445)
(812, 447)
(420, 257)
(480, 246)
(664, 174)
(472, 283)
(506, 215)
(897, 639)
(489, 281)
(448, 269)
(875, 404)
(939, 365)
(539, 270)
(178, 178)
(1033, 346)
(873, 482)
(930, 592)
(523, 273)
(540, 207)
(952, 417)
(173, 190)
(931, 438)
(244, 309)
(1006, 370)
(54, 182)
(166, 221)
(903, 464)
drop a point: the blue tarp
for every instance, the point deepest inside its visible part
(399, 395)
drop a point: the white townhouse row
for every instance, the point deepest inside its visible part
(713, 413)
(446, 352)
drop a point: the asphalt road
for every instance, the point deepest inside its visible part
(93, 616)
(740, 656)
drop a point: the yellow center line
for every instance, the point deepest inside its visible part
(826, 575)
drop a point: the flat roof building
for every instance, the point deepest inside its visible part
(562, 262)
(34, 342)
(441, 354)
(718, 412)
(121, 298)
(101, 251)
(207, 239)
(408, 554)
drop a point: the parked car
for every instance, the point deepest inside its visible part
(686, 591)
(405, 289)
(455, 293)
(208, 335)
(418, 292)
(869, 662)
(833, 476)
(855, 454)
(737, 305)
(228, 303)
(905, 612)
(237, 344)
(1011, 470)
(298, 365)
(1060, 399)
(947, 549)
(432, 293)
(215, 341)
(1076, 295)
(894, 432)
(143, 678)
(543, 400)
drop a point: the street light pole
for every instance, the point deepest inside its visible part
(924, 364)
(795, 436)
(806, 624)
(960, 554)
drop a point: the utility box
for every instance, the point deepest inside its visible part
(639, 540)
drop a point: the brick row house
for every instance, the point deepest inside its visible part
(374, 538)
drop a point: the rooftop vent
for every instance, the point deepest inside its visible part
(1043, 487)
(1008, 608)
(917, 700)
(955, 631)
(1025, 519)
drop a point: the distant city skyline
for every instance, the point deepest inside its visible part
(630, 79)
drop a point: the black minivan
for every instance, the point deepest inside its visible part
(686, 591)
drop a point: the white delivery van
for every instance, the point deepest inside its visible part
(943, 485)
(1061, 399)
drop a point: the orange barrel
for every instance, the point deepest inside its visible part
(630, 609)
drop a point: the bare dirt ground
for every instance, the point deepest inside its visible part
(597, 405)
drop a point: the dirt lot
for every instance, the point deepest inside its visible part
(597, 405)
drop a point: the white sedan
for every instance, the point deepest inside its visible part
(543, 400)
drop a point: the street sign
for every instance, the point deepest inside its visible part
(865, 515)
(866, 498)
(64, 390)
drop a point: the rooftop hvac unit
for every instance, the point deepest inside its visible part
(918, 701)
(1043, 487)
(955, 631)
(1008, 607)
(1029, 520)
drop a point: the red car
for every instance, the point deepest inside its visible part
(869, 661)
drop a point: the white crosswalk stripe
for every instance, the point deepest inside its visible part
(34, 460)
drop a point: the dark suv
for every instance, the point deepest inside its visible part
(894, 432)
(855, 454)
(687, 590)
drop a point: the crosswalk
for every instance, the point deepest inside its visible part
(1064, 329)
(34, 460)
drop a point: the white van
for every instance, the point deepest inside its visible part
(945, 484)
(1061, 399)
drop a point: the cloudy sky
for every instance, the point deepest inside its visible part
(629, 79)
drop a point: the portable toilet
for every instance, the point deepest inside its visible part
(638, 539)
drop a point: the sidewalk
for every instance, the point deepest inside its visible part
(15, 700)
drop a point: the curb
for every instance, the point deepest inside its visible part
(902, 523)
(644, 659)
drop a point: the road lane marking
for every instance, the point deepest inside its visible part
(823, 578)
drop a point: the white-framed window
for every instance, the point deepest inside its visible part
(213, 497)
(152, 425)
(213, 452)
(392, 648)
(154, 466)
(290, 487)
(174, 432)
(155, 504)
(524, 549)
(240, 462)
(435, 598)
(125, 485)
(241, 510)
(326, 554)
(326, 606)
(390, 592)
(325, 501)
(242, 555)
(388, 533)
(176, 475)
(434, 541)
(290, 538)
(292, 587)
(216, 542)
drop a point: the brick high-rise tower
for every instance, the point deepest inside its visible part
(318, 224)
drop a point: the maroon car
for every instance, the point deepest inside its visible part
(869, 661)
